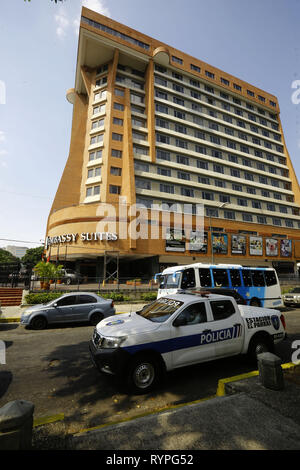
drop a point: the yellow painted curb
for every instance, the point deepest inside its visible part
(10, 320)
(221, 383)
(48, 419)
(149, 413)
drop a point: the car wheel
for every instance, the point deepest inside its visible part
(39, 323)
(143, 374)
(255, 303)
(69, 281)
(258, 346)
(96, 318)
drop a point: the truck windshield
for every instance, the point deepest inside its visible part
(170, 281)
(160, 310)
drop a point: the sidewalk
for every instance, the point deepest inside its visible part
(251, 417)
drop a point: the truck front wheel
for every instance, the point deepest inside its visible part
(143, 374)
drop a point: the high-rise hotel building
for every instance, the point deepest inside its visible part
(155, 126)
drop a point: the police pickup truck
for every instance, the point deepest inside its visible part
(180, 330)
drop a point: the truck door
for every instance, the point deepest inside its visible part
(189, 330)
(227, 328)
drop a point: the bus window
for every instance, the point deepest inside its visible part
(220, 277)
(235, 277)
(270, 278)
(258, 278)
(247, 278)
(188, 279)
(205, 278)
(172, 281)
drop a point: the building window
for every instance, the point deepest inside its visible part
(202, 164)
(94, 172)
(209, 74)
(113, 189)
(218, 168)
(276, 222)
(163, 171)
(164, 139)
(196, 68)
(142, 184)
(224, 198)
(179, 114)
(183, 175)
(261, 219)
(237, 187)
(200, 149)
(237, 87)
(188, 192)
(182, 160)
(140, 166)
(203, 180)
(97, 139)
(261, 98)
(195, 83)
(119, 92)
(162, 123)
(118, 106)
(160, 108)
(162, 155)
(95, 155)
(208, 196)
(177, 60)
(177, 100)
(93, 191)
(242, 202)
(117, 137)
(180, 128)
(118, 121)
(233, 158)
(250, 93)
(99, 123)
(256, 205)
(116, 153)
(166, 188)
(235, 173)
(223, 80)
(115, 171)
(229, 215)
(178, 88)
(289, 223)
(247, 218)
(181, 143)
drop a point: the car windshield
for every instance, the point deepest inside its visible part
(160, 310)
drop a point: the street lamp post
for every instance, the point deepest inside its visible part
(221, 206)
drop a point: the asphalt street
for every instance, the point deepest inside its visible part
(52, 369)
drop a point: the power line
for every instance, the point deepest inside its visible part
(20, 241)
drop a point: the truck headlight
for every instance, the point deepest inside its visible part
(112, 342)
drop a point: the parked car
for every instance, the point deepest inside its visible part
(71, 277)
(292, 297)
(78, 307)
(181, 330)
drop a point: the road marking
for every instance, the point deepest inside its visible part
(48, 419)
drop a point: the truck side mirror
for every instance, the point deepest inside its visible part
(180, 321)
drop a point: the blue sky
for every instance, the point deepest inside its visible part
(257, 41)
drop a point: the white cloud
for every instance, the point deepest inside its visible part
(96, 5)
(2, 136)
(62, 23)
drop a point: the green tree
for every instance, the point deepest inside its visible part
(33, 256)
(7, 257)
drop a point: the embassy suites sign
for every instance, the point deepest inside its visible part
(84, 237)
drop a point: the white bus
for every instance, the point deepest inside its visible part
(258, 286)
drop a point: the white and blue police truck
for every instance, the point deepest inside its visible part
(180, 330)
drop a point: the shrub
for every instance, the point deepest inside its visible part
(149, 296)
(33, 299)
(113, 296)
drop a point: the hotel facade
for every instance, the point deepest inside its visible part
(152, 128)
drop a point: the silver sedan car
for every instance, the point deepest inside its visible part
(73, 307)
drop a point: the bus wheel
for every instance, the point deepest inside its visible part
(255, 303)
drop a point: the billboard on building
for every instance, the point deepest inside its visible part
(271, 247)
(198, 242)
(175, 239)
(286, 248)
(256, 246)
(220, 243)
(238, 244)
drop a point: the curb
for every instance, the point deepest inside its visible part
(48, 419)
(10, 320)
(222, 382)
